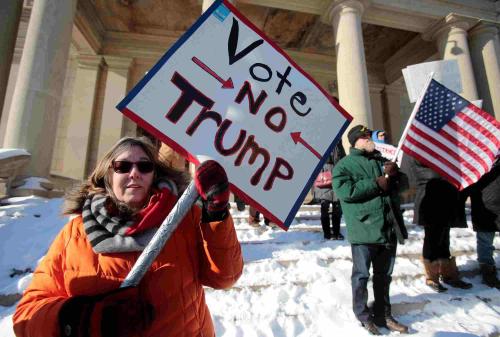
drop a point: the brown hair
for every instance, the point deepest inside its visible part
(99, 181)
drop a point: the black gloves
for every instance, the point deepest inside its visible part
(391, 168)
(383, 183)
(118, 313)
(389, 180)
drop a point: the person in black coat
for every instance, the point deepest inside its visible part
(485, 212)
(439, 206)
(326, 196)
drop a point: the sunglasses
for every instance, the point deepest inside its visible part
(124, 166)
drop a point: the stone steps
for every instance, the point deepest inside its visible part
(400, 306)
(330, 260)
(285, 253)
(305, 213)
(279, 240)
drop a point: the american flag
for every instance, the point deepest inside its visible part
(452, 136)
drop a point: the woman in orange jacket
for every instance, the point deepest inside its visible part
(75, 289)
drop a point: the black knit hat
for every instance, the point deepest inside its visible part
(357, 132)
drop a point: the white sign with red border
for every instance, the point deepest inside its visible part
(445, 71)
(388, 151)
(226, 92)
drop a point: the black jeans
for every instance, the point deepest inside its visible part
(382, 257)
(436, 243)
(325, 218)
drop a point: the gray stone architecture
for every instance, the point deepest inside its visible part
(66, 64)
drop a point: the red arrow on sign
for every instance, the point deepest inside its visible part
(298, 139)
(226, 84)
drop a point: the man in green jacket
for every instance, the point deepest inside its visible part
(368, 188)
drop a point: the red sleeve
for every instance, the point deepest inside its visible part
(221, 261)
(36, 314)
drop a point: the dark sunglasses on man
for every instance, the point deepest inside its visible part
(124, 166)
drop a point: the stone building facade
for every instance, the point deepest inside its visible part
(64, 65)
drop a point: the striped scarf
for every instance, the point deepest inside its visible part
(111, 234)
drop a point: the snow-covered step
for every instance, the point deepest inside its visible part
(303, 208)
(413, 258)
(295, 283)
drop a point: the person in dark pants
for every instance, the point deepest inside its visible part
(240, 204)
(439, 206)
(331, 228)
(368, 187)
(485, 212)
(383, 258)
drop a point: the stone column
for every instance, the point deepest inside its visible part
(80, 116)
(37, 96)
(378, 121)
(10, 14)
(9, 93)
(451, 37)
(112, 120)
(352, 77)
(485, 52)
(137, 71)
(392, 100)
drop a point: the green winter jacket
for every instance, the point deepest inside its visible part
(371, 216)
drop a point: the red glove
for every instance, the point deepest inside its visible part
(212, 185)
(118, 313)
(391, 168)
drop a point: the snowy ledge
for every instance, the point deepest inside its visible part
(35, 183)
(8, 153)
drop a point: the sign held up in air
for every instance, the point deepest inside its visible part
(226, 92)
(445, 72)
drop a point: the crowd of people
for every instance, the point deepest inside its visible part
(368, 187)
(76, 289)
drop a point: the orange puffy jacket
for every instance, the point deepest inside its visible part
(196, 255)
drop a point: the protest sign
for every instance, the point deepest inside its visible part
(224, 91)
(445, 71)
(388, 151)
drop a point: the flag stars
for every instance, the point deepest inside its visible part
(439, 106)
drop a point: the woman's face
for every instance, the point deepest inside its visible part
(131, 184)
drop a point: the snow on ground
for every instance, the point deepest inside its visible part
(294, 283)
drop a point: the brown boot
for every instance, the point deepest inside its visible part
(449, 273)
(390, 323)
(489, 274)
(432, 275)
(371, 328)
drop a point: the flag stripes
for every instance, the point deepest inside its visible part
(452, 136)
(432, 150)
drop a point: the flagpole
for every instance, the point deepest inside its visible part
(412, 116)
